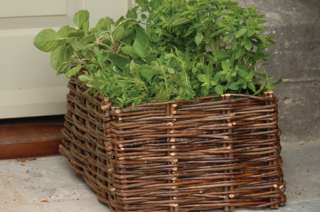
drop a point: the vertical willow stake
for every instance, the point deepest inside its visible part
(273, 163)
(171, 111)
(229, 147)
(104, 146)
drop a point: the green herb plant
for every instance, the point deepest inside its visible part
(164, 50)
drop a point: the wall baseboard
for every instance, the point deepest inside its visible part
(30, 137)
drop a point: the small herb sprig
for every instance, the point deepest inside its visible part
(164, 50)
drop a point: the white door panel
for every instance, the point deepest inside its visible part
(18, 8)
(22, 64)
(28, 85)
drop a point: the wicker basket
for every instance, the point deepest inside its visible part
(211, 153)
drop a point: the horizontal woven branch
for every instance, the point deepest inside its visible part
(210, 153)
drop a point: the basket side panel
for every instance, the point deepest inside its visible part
(257, 148)
(228, 151)
(73, 145)
(142, 167)
(86, 123)
(217, 153)
(205, 166)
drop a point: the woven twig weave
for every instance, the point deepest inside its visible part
(210, 153)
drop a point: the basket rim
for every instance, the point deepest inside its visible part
(106, 101)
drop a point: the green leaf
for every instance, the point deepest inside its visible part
(119, 61)
(83, 44)
(241, 32)
(84, 78)
(141, 43)
(219, 89)
(238, 53)
(226, 66)
(129, 50)
(132, 13)
(66, 31)
(60, 59)
(213, 82)
(100, 57)
(124, 28)
(142, 3)
(219, 76)
(244, 74)
(119, 33)
(155, 4)
(203, 78)
(81, 20)
(171, 71)
(248, 45)
(46, 40)
(179, 21)
(252, 86)
(147, 73)
(74, 71)
(199, 38)
(234, 86)
(104, 24)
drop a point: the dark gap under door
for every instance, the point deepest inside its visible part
(30, 137)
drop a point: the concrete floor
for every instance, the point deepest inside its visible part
(48, 185)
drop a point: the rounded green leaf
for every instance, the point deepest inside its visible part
(219, 89)
(73, 71)
(46, 40)
(104, 24)
(84, 78)
(129, 50)
(241, 32)
(60, 59)
(81, 20)
(199, 38)
(141, 43)
(66, 31)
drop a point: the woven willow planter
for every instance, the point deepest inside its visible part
(212, 153)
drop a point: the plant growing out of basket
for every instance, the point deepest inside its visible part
(164, 50)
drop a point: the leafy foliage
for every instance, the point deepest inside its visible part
(164, 50)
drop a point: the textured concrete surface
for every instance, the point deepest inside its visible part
(43, 185)
(295, 26)
(48, 184)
